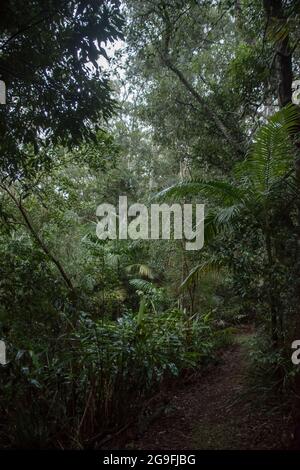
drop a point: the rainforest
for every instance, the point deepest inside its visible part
(149, 225)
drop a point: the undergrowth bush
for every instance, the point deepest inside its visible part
(71, 389)
(272, 373)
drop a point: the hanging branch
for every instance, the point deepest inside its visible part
(36, 236)
(165, 55)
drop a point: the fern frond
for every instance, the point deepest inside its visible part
(140, 284)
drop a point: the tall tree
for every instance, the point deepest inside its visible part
(56, 88)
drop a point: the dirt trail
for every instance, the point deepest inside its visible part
(216, 411)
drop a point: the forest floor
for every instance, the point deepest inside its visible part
(217, 410)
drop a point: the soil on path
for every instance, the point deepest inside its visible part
(217, 411)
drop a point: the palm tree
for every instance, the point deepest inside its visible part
(263, 186)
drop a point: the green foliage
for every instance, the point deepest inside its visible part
(268, 162)
(195, 84)
(271, 370)
(94, 375)
(56, 89)
(212, 267)
(254, 202)
(272, 154)
(248, 73)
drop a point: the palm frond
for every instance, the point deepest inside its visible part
(211, 228)
(212, 267)
(226, 215)
(219, 190)
(218, 221)
(143, 270)
(271, 156)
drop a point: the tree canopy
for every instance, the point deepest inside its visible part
(57, 90)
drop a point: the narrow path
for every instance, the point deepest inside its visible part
(217, 411)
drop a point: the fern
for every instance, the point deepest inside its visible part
(140, 284)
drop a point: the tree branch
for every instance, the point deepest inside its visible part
(210, 112)
(220, 125)
(36, 236)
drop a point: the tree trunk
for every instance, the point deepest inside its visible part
(276, 21)
(283, 54)
(272, 300)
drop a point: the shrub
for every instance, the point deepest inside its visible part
(95, 374)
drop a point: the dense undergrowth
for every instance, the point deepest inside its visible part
(92, 376)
